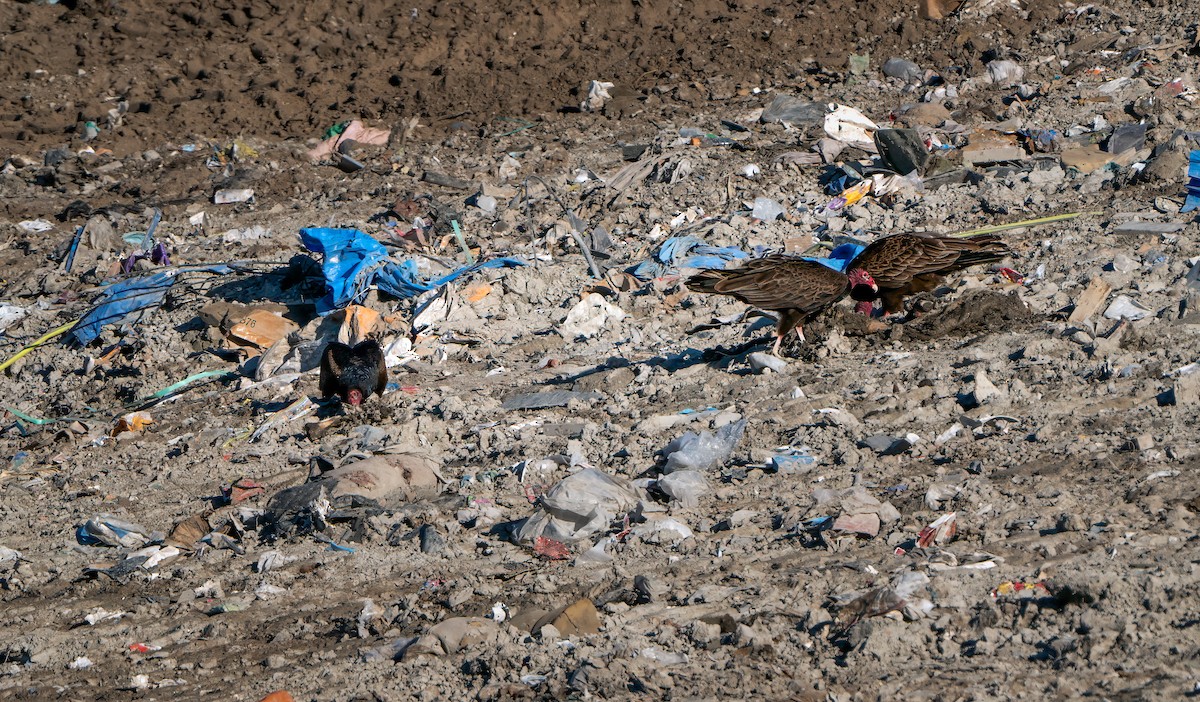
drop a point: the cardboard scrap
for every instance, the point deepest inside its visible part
(1090, 301)
(261, 328)
(357, 323)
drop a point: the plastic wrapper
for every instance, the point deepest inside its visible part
(684, 486)
(579, 506)
(703, 451)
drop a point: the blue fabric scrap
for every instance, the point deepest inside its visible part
(354, 261)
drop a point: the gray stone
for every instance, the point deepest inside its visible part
(794, 110)
(903, 69)
(902, 149)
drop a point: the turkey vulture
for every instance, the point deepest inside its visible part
(353, 373)
(796, 288)
(904, 264)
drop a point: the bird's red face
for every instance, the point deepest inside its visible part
(858, 276)
(354, 396)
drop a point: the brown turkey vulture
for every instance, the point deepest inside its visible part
(904, 264)
(796, 288)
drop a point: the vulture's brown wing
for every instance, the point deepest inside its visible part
(776, 282)
(895, 260)
(335, 357)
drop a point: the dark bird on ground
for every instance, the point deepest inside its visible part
(905, 264)
(353, 373)
(797, 289)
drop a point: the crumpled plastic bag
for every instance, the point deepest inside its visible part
(597, 96)
(686, 252)
(355, 131)
(703, 451)
(106, 530)
(122, 300)
(589, 316)
(578, 506)
(684, 486)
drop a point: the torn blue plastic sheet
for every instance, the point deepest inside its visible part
(354, 261)
(692, 252)
(1193, 186)
(839, 259)
(120, 301)
(686, 252)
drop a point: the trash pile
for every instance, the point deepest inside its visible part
(499, 407)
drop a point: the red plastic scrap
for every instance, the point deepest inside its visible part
(550, 549)
(1012, 275)
(941, 530)
(241, 490)
(143, 648)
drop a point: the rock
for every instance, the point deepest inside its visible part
(987, 147)
(1166, 167)
(1187, 390)
(1123, 264)
(929, 114)
(865, 524)
(902, 149)
(1082, 338)
(903, 69)
(983, 390)
(452, 636)
(760, 362)
(432, 541)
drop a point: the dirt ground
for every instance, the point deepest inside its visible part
(1051, 407)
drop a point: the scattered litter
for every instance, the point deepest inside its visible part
(230, 197)
(110, 531)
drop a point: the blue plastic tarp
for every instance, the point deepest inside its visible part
(686, 252)
(354, 261)
(839, 259)
(1193, 187)
(691, 252)
(122, 300)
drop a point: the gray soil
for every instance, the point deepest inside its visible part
(1061, 436)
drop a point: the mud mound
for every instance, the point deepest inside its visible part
(977, 312)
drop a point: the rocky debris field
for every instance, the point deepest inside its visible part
(584, 480)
